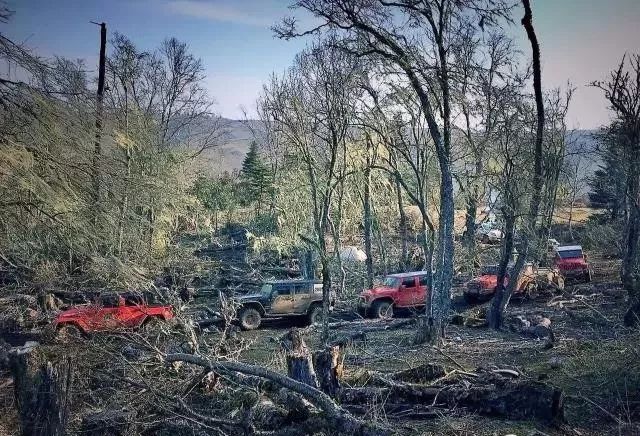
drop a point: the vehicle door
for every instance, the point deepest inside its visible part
(131, 312)
(419, 296)
(406, 292)
(282, 299)
(302, 297)
(105, 316)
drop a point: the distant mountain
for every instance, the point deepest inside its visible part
(582, 149)
(228, 157)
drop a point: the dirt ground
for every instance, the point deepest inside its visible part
(586, 323)
(594, 360)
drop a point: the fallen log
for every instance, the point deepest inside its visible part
(420, 374)
(338, 418)
(489, 394)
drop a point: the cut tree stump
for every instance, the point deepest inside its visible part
(299, 358)
(42, 391)
(329, 367)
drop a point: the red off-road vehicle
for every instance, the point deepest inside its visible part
(572, 262)
(404, 290)
(484, 286)
(110, 312)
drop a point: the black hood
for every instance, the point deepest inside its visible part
(250, 297)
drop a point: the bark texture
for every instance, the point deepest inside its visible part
(42, 391)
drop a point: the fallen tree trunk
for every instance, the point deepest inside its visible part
(339, 419)
(489, 394)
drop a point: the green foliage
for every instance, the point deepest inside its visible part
(257, 180)
(215, 195)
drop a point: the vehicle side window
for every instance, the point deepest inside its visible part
(301, 288)
(109, 301)
(423, 280)
(409, 282)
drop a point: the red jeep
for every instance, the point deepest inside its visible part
(404, 290)
(110, 312)
(572, 262)
(484, 286)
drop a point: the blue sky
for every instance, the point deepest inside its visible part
(581, 40)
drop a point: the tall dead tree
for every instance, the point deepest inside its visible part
(622, 91)
(97, 150)
(502, 297)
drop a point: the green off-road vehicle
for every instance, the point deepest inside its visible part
(277, 299)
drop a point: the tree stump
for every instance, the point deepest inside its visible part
(329, 367)
(42, 391)
(299, 359)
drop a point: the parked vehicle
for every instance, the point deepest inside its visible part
(484, 286)
(284, 298)
(110, 312)
(530, 280)
(488, 233)
(404, 290)
(572, 263)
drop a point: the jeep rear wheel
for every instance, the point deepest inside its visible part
(249, 318)
(315, 315)
(382, 309)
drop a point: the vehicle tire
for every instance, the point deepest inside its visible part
(382, 309)
(249, 318)
(315, 315)
(68, 333)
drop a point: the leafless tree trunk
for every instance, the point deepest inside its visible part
(623, 93)
(97, 152)
(503, 296)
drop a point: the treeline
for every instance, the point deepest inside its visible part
(94, 185)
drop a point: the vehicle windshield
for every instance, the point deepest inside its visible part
(489, 270)
(266, 289)
(570, 254)
(391, 282)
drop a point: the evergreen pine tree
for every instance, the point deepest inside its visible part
(256, 178)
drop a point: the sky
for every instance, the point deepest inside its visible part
(581, 41)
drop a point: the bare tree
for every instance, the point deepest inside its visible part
(311, 109)
(622, 90)
(386, 32)
(503, 294)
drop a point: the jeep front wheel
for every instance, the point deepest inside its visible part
(382, 309)
(315, 315)
(68, 333)
(249, 318)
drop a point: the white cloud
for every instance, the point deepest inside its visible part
(250, 13)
